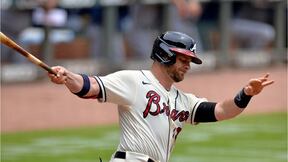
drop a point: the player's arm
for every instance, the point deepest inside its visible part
(209, 111)
(79, 84)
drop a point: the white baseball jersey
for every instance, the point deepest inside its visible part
(150, 116)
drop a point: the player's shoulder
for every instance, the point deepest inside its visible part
(131, 73)
(188, 96)
(126, 74)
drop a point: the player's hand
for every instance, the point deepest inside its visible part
(61, 76)
(255, 86)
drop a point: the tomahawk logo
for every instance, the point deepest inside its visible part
(193, 49)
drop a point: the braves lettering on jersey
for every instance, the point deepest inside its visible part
(150, 117)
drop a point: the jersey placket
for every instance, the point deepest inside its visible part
(171, 125)
(169, 131)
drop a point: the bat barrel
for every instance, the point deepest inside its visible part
(10, 43)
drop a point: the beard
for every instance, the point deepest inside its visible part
(175, 75)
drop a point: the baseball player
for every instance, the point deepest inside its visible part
(152, 111)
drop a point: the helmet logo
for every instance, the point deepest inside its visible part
(193, 49)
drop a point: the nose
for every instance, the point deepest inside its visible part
(187, 65)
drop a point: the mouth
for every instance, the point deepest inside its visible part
(183, 71)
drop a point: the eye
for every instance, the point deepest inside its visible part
(182, 60)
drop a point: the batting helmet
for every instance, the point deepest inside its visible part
(170, 43)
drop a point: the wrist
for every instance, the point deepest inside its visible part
(85, 86)
(242, 99)
(72, 81)
(246, 92)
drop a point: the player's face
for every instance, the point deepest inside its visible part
(180, 68)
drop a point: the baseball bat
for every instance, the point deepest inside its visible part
(11, 44)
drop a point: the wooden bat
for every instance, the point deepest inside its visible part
(11, 44)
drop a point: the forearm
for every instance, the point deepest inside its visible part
(227, 109)
(79, 84)
(212, 111)
(232, 107)
(74, 82)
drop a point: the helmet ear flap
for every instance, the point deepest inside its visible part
(168, 57)
(162, 53)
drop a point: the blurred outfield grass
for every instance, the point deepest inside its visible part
(249, 138)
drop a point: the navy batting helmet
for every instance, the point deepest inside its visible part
(170, 43)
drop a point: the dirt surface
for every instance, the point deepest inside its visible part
(43, 105)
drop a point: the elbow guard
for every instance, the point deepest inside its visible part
(205, 112)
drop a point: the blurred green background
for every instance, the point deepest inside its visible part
(250, 138)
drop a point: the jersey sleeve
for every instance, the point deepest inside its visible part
(194, 103)
(118, 87)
